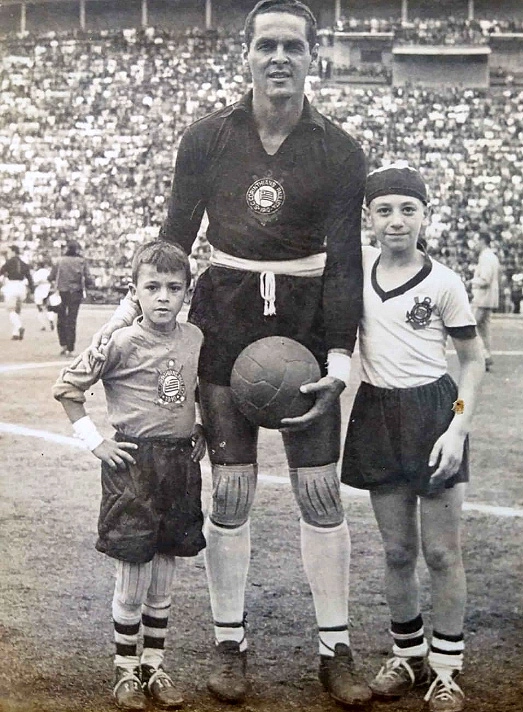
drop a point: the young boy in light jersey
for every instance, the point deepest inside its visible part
(151, 482)
(407, 440)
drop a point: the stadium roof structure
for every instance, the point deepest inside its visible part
(441, 49)
(356, 35)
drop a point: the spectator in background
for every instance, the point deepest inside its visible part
(41, 295)
(485, 294)
(70, 277)
(17, 275)
(67, 111)
(516, 292)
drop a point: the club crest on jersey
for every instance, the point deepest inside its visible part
(265, 196)
(419, 315)
(171, 386)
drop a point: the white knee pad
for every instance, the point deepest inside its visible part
(234, 487)
(317, 492)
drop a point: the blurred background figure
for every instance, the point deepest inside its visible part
(47, 317)
(16, 278)
(516, 292)
(485, 293)
(70, 277)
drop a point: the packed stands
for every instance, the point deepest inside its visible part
(89, 129)
(444, 31)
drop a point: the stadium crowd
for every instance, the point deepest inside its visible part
(448, 31)
(89, 129)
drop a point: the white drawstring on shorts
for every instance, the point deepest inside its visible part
(311, 266)
(268, 292)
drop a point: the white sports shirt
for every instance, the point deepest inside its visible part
(403, 332)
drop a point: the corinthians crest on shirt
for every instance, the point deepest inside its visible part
(420, 315)
(265, 197)
(171, 386)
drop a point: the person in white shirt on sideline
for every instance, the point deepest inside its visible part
(46, 317)
(485, 294)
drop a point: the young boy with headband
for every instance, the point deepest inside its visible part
(407, 440)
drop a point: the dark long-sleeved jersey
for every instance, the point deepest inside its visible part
(17, 270)
(304, 200)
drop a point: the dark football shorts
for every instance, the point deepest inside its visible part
(153, 506)
(227, 306)
(391, 434)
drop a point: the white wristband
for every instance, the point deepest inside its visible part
(86, 430)
(338, 366)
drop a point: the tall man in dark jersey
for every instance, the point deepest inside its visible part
(283, 190)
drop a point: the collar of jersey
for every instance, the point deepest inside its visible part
(162, 335)
(409, 284)
(309, 114)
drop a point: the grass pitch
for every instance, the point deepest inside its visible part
(55, 589)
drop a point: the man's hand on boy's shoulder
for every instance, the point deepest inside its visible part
(115, 454)
(199, 444)
(95, 352)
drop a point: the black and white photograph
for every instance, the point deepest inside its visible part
(261, 355)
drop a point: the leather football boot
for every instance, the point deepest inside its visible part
(339, 678)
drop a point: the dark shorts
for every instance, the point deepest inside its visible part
(391, 433)
(153, 506)
(228, 308)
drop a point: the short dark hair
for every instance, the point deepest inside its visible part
(165, 256)
(485, 238)
(72, 248)
(15, 249)
(291, 7)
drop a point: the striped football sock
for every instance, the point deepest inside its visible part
(155, 619)
(131, 585)
(409, 638)
(156, 609)
(126, 623)
(446, 652)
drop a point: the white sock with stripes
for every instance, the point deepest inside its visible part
(132, 583)
(156, 609)
(227, 558)
(326, 558)
(446, 652)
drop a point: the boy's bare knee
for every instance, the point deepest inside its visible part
(401, 557)
(441, 558)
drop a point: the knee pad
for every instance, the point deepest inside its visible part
(317, 492)
(233, 491)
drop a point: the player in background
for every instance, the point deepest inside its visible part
(485, 294)
(16, 278)
(151, 510)
(70, 276)
(46, 317)
(283, 188)
(407, 440)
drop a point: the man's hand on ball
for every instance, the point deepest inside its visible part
(326, 391)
